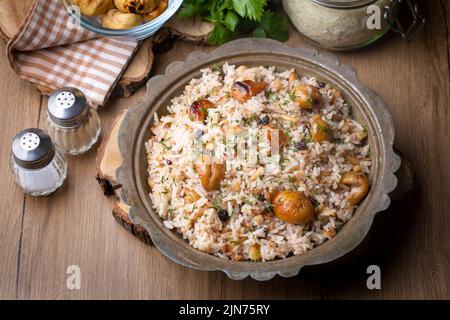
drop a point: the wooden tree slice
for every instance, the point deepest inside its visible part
(121, 213)
(109, 159)
(12, 13)
(137, 72)
(189, 29)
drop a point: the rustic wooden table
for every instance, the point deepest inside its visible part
(40, 238)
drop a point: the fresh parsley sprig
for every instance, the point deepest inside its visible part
(233, 18)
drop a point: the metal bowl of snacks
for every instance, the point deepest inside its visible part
(367, 108)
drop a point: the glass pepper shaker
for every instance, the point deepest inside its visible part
(38, 166)
(73, 126)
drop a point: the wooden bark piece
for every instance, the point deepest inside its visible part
(194, 30)
(121, 213)
(12, 13)
(137, 72)
(109, 159)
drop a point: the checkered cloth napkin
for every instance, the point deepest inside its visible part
(53, 52)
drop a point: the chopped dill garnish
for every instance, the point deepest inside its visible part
(322, 128)
(287, 132)
(217, 203)
(248, 121)
(217, 68)
(292, 183)
(315, 203)
(314, 191)
(269, 207)
(292, 95)
(269, 93)
(164, 143)
(249, 202)
(307, 138)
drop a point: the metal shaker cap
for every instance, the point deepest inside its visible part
(32, 149)
(68, 108)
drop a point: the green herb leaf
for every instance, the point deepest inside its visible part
(252, 9)
(164, 143)
(269, 207)
(220, 34)
(193, 8)
(217, 203)
(292, 183)
(269, 93)
(231, 20)
(217, 68)
(272, 26)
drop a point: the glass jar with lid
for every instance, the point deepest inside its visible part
(350, 24)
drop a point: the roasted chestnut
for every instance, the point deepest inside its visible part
(199, 110)
(320, 129)
(116, 19)
(210, 172)
(254, 252)
(191, 196)
(293, 207)
(360, 186)
(307, 97)
(157, 12)
(136, 6)
(244, 90)
(94, 7)
(283, 139)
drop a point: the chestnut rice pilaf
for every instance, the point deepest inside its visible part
(257, 164)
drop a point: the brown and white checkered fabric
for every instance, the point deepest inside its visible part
(52, 52)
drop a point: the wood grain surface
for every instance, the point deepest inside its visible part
(40, 238)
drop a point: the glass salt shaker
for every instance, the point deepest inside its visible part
(73, 126)
(38, 166)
